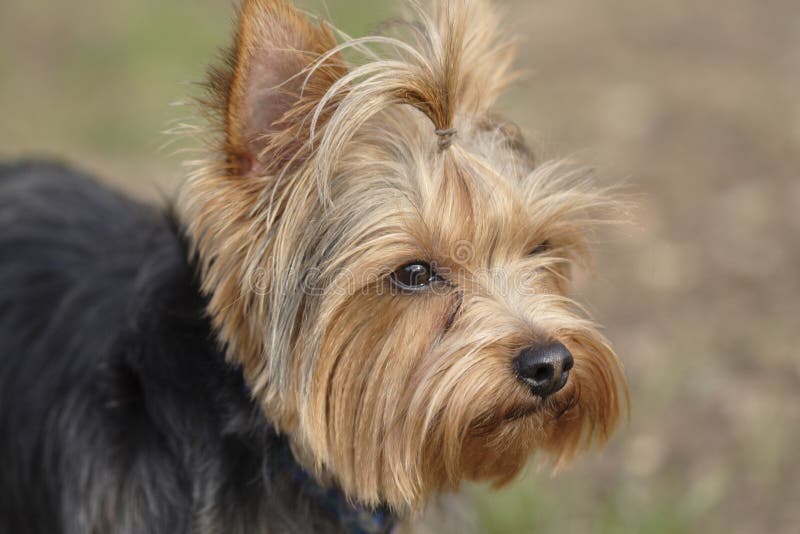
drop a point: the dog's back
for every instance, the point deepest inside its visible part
(118, 412)
(94, 288)
(79, 266)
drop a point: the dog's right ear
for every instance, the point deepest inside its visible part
(264, 93)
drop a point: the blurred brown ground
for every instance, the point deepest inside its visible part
(694, 105)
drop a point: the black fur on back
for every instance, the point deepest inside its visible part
(118, 412)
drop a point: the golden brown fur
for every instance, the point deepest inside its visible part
(327, 175)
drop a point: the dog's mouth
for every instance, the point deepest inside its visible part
(521, 412)
(551, 409)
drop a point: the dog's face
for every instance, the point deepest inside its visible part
(388, 264)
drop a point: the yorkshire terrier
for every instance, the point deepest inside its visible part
(358, 301)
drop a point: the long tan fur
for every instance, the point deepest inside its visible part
(327, 175)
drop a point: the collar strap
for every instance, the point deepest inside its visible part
(355, 518)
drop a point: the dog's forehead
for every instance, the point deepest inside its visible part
(478, 199)
(472, 191)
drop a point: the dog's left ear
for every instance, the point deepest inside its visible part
(265, 92)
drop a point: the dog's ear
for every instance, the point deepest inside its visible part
(271, 84)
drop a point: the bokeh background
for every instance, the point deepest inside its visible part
(695, 105)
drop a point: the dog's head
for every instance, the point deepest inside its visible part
(387, 262)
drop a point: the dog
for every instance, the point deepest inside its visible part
(358, 300)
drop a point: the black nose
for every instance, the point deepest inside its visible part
(544, 368)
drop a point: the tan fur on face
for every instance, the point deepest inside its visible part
(328, 177)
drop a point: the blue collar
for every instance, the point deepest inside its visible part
(353, 517)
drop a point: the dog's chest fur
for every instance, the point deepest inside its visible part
(117, 409)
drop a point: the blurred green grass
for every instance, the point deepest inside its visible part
(696, 104)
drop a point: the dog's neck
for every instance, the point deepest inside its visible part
(245, 438)
(352, 517)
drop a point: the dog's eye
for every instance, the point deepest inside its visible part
(414, 276)
(544, 246)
